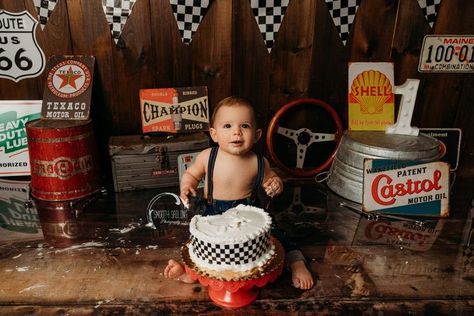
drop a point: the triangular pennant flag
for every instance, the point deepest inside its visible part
(430, 10)
(343, 13)
(44, 9)
(117, 13)
(188, 15)
(269, 14)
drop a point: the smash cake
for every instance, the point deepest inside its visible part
(232, 245)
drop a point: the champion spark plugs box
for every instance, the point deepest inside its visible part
(174, 110)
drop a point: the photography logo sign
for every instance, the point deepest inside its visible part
(157, 211)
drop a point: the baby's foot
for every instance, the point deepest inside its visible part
(300, 275)
(175, 270)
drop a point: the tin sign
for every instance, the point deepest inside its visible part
(17, 221)
(14, 157)
(184, 162)
(20, 55)
(174, 110)
(450, 139)
(447, 53)
(406, 187)
(68, 90)
(398, 233)
(371, 96)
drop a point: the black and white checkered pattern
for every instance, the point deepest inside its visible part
(117, 13)
(234, 254)
(430, 10)
(188, 15)
(343, 13)
(44, 9)
(269, 15)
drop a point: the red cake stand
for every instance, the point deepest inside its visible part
(235, 293)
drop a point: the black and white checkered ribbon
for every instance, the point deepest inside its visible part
(430, 10)
(188, 15)
(117, 13)
(231, 254)
(343, 13)
(269, 15)
(44, 9)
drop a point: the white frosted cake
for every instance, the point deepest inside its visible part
(238, 240)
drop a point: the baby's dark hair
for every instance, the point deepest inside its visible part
(230, 101)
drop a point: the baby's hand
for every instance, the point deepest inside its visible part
(184, 194)
(273, 186)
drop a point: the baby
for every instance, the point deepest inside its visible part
(233, 174)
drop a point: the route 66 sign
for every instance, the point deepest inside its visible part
(20, 55)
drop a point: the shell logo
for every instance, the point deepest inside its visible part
(371, 90)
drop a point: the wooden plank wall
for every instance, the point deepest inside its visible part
(228, 55)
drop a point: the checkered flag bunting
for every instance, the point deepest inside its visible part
(117, 13)
(269, 15)
(188, 15)
(343, 13)
(44, 9)
(430, 10)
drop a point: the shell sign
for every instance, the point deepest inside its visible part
(371, 98)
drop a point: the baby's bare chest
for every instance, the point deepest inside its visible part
(235, 174)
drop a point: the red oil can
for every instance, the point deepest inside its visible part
(63, 159)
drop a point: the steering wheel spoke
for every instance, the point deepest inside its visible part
(322, 137)
(300, 155)
(288, 132)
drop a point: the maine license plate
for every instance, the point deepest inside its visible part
(448, 53)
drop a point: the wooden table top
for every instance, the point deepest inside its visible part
(107, 260)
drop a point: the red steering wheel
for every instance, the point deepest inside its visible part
(304, 137)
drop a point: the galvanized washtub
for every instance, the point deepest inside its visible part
(346, 173)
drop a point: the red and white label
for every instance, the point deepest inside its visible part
(399, 187)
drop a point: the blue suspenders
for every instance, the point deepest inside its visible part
(210, 172)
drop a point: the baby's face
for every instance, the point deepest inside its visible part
(234, 129)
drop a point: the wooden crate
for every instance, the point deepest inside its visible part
(144, 162)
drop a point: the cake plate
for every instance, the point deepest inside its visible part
(236, 293)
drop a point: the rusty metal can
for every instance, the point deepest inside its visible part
(61, 222)
(63, 159)
(346, 172)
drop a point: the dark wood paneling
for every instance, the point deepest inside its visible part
(228, 55)
(211, 51)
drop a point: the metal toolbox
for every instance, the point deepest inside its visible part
(144, 162)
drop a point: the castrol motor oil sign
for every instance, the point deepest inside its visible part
(406, 187)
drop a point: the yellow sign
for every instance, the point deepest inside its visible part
(371, 98)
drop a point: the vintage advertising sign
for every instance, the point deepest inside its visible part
(174, 110)
(17, 222)
(450, 139)
(68, 89)
(371, 97)
(447, 53)
(406, 187)
(398, 233)
(20, 55)
(184, 161)
(14, 158)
